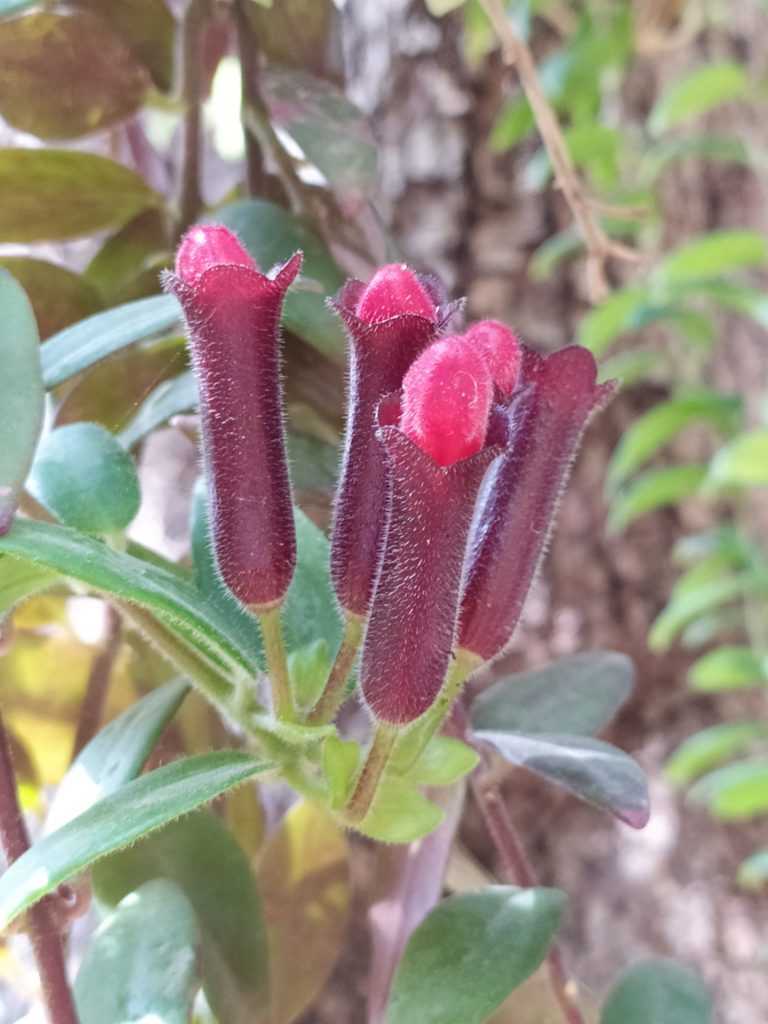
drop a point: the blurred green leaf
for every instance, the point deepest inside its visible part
(630, 367)
(736, 792)
(142, 962)
(137, 808)
(711, 747)
(85, 479)
(59, 297)
(657, 991)
(204, 859)
(748, 301)
(512, 124)
(340, 760)
(43, 90)
(652, 490)
(148, 27)
(131, 258)
(475, 948)
(53, 194)
(592, 770)
(299, 34)
(658, 426)
(728, 668)
(610, 319)
(443, 761)
(753, 872)
(20, 579)
(438, 8)
(717, 252)
(553, 252)
(699, 91)
(693, 604)
(580, 695)
(21, 393)
(661, 154)
(741, 463)
(179, 394)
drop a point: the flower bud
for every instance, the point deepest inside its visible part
(547, 417)
(412, 623)
(233, 316)
(501, 350)
(389, 322)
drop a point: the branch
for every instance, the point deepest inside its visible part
(599, 246)
(98, 682)
(190, 201)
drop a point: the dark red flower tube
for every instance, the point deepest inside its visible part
(437, 458)
(233, 318)
(389, 322)
(547, 416)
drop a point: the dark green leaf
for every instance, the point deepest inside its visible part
(137, 808)
(657, 991)
(179, 394)
(580, 694)
(52, 194)
(297, 33)
(131, 258)
(654, 489)
(728, 668)
(736, 792)
(590, 769)
(59, 297)
(21, 393)
(85, 343)
(43, 90)
(475, 948)
(204, 859)
(85, 479)
(700, 90)
(311, 612)
(148, 27)
(142, 962)
(712, 747)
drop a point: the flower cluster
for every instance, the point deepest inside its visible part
(457, 448)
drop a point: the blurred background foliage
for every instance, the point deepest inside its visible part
(363, 132)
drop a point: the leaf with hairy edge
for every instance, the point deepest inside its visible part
(592, 770)
(134, 810)
(657, 991)
(21, 393)
(710, 747)
(580, 694)
(53, 194)
(475, 948)
(116, 754)
(20, 579)
(204, 859)
(142, 963)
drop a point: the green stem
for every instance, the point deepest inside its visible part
(277, 664)
(382, 744)
(333, 694)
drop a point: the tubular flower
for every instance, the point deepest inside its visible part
(437, 453)
(233, 316)
(547, 416)
(389, 322)
(502, 353)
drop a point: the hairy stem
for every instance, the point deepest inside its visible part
(382, 743)
(333, 694)
(40, 919)
(277, 664)
(92, 706)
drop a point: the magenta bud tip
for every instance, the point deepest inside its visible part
(209, 245)
(393, 291)
(501, 350)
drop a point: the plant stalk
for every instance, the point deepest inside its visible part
(92, 706)
(190, 200)
(277, 664)
(381, 747)
(333, 694)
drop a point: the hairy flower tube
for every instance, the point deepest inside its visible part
(547, 416)
(501, 350)
(438, 442)
(233, 315)
(390, 321)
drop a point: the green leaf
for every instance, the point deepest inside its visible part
(694, 604)
(697, 92)
(741, 463)
(709, 147)
(54, 194)
(137, 808)
(657, 991)
(512, 125)
(21, 393)
(610, 319)
(308, 668)
(443, 761)
(437, 8)
(142, 962)
(633, 366)
(592, 770)
(753, 872)
(742, 299)
(85, 343)
(580, 694)
(168, 399)
(296, 33)
(475, 948)
(204, 859)
(654, 489)
(20, 579)
(340, 761)
(400, 813)
(59, 297)
(717, 252)
(728, 668)
(553, 252)
(652, 431)
(176, 603)
(116, 754)
(272, 235)
(14, 6)
(132, 257)
(85, 479)
(711, 747)
(736, 792)
(43, 90)
(310, 612)
(148, 27)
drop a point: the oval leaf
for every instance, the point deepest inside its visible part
(652, 490)
(21, 393)
(43, 89)
(736, 792)
(118, 820)
(462, 962)
(51, 195)
(59, 297)
(728, 668)
(711, 747)
(715, 253)
(657, 991)
(702, 89)
(580, 695)
(142, 962)
(592, 770)
(85, 478)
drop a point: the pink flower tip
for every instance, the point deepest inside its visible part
(209, 245)
(446, 403)
(501, 351)
(393, 291)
